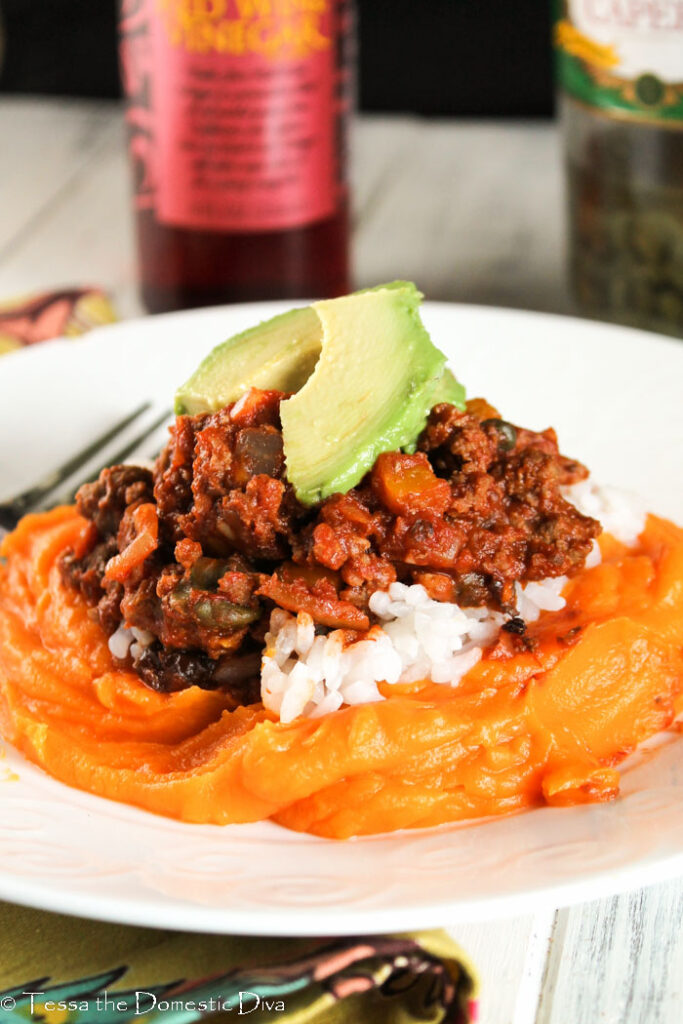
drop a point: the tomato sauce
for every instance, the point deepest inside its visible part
(549, 723)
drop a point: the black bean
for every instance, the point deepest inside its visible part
(515, 625)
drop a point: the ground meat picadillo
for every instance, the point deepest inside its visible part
(199, 550)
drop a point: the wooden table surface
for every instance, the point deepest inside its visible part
(473, 211)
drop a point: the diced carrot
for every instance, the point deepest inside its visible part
(144, 544)
(407, 483)
(482, 409)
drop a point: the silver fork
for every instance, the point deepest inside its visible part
(14, 508)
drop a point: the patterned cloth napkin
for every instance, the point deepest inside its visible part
(35, 318)
(64, 970)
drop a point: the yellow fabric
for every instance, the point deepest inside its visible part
(64, 970)
(29, 319)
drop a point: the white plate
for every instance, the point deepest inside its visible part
(614, 396)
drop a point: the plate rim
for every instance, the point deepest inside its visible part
(135, 322)
(303, 923)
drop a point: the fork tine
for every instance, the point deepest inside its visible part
(123, 453)
(22, 502)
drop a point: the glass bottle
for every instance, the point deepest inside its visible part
(620, 71)
(238, 113)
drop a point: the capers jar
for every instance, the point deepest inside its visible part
(620, 71)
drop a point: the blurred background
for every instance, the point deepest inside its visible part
(455, 161)
(477, 58)
(463, 176)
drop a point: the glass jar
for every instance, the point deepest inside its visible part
(623, 133)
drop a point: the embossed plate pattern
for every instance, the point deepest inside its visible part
(614, 396)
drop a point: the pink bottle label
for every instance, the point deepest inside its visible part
(242, 112)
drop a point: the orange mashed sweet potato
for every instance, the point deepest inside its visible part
(546, 726)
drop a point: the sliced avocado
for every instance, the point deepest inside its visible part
(449, 389)
(371, 392)
(279, 354)
(389, 286)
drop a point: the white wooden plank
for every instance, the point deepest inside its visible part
(85, 234)
(471, 211)
(618, 961)
(379, 145)
(535, 968)
(510, 956)
(46, 144)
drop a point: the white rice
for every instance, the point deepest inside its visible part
(125, 641)
(621, 513)
(415, 637)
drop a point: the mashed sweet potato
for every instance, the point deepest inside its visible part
(547, 725)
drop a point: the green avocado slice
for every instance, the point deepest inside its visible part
(279, 354)
(371, 391)
(363, 371)
(449, 389)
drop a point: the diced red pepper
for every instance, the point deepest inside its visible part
(407, 483)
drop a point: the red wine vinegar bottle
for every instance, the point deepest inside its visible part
(238, 113)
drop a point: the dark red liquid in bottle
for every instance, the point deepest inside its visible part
(238, 114)
(180, 269)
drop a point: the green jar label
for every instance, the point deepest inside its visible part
(623, 56)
